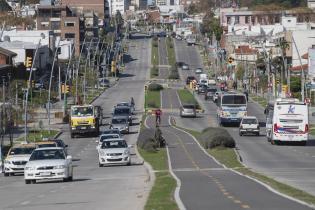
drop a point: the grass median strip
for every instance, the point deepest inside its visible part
(262, 101)
(38, 135)
(152, 99)
(228, 157)
(161, 196)
(186, 97)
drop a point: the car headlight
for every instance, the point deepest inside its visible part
(126, 127)
(60, 167)
(7, 162)
(126, 152)
(29, 168)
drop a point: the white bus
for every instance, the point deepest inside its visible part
(232, 107)
(289, 121)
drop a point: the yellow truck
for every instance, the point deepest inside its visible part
(85, 119)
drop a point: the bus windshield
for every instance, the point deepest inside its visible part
(233, 100)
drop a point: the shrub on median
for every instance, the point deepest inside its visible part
(155, 87)
(150, 139)
(216, 137)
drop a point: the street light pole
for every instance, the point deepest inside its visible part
(77, 72)
(84, 78)
(27, 90)
(302, 71)
(66, 80)
(50, 81)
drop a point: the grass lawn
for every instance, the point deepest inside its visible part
(228, 157)
(162, 194)
(170, 51)
(154, 72)
(158, 160)
(186, 97)
(154, 54)
(152, 99)
(262, 101)
(38, 135)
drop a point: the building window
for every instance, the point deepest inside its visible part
(69, 35)
(237, 19)
(277, 19)
(69, 24)
(228, 20)
(55, 25)
(247, 18)
(56, 14)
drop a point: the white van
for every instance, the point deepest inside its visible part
(290, 121)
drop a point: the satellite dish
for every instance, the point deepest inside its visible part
(6, 38)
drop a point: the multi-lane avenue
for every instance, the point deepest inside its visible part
(118, 188)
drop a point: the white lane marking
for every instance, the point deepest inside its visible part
(41, 196)
(25, 202)
(179, 202)
(256, 180)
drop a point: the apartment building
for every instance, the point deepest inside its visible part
(118, 5)
(186, 3)
(63, 22)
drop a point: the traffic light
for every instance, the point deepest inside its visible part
(28, 62)
(33, 83)
(113, 66)
(230, 60)
(65, 88)
(278, 81)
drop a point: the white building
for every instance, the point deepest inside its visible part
(118, 5)
(311, 4)
(27, 49)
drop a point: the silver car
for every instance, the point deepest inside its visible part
(188, 110)
(185, 67)
(121, 123)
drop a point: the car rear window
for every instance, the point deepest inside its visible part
(249, 121)
(188, 106)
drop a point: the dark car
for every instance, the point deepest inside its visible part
(210, 93)
(179, 64)
(202, 89)
(190, 79)
(60, 143)
(123, 111)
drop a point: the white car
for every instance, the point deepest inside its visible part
(114, 152)
(17, 158)
(198, 71)
(215, 96)
(48, 163)
(249, 124)
(104, 137)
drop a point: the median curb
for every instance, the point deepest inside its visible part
(57, 135)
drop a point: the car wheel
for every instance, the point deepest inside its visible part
(129, 163)
(303, 143)
(257, 134)
(100, 165)
(240, 133)
(72, 135)
(6, 174)
(27, 181)
(33, 181)
(70, 178)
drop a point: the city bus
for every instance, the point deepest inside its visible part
(289, 121)
(232, 107)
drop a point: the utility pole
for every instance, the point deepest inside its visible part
(302, 71)
(77, 72)
(86, 62)
(66, 80)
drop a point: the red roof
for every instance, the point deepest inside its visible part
(298, 68)
(244, 49)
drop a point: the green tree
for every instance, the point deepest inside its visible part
(240, 71)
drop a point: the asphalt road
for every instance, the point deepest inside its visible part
(294, 165)
(205, 184)
(163, 60)
(94, 188)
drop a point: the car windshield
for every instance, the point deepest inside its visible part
(249, 121)
(82, 111)
(123, 104)
(189, 106)
(46, 145)
(119, 121)
(113, 136)
(234, 99)
(21, 151)
(114, 144)
(212, 90)
(121, 111)
(113, 131)
(49, 154)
